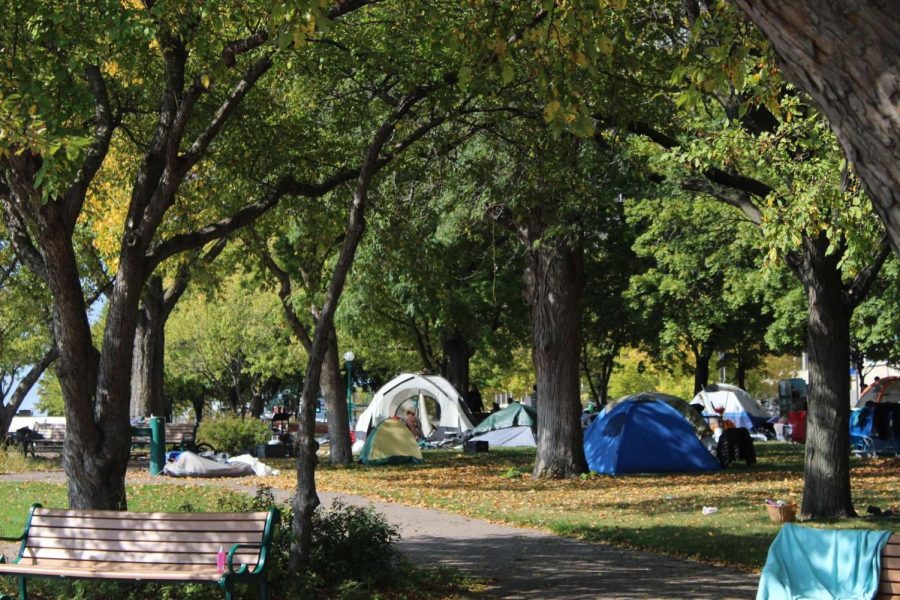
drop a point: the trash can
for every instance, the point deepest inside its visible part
(157, 445)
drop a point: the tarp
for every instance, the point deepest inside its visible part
(644, 437)
(861, 422)
(390, 443)
(687, 411)
(189, 464)
(447, 412)
(822, 564)
(259, 468)
(508, 437)
(732, 403)
(886, 389)
(514, 415)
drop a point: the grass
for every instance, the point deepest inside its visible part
(661, 513)
(13, 461)
(19, 496)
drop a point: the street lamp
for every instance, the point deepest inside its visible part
(348, 360)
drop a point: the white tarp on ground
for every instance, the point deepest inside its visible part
(435, 401)
(259, 468)
(508, 437)
(189, 464)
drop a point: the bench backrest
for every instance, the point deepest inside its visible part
(68, 537)
(178, 433)
(890, 570)
(51, 431)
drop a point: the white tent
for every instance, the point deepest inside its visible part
(438, 406)
(732, 403)
(508, 437)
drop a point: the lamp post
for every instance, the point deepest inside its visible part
(348, 361)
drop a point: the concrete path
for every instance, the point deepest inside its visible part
(525, 563)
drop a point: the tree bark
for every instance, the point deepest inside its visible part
(334, 390)
(148, 370)
(553, 290)
(846, 56)
(701, 369)
(826, 490)
(456, 368)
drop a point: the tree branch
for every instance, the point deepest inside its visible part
(736, 198)
(284, 293)
(859, 287)
(96, 153)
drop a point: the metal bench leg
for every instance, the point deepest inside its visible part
(264, 589)
(23, 589)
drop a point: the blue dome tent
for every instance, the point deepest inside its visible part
(645, 437)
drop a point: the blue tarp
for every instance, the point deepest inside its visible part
(824, 564)
(645, 437)
(861, 422)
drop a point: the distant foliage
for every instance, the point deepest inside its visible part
(233, 435)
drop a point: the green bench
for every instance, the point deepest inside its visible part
(146, 547)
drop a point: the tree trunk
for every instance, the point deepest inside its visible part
(9, 410)
(456, 366)
(846, 56)
(826, 490)
(306, 499)
(553, 290)
(701, 369)
(606, 372)
(334, 390)
(148, 370)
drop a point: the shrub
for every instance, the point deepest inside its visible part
(233, 434)
(353, 543)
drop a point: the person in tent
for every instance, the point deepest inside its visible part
(413, 424)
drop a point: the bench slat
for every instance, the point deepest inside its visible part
(144, 516)
(66, 568)
(152, 525)
(39, 555)
(100, 535)
(130, 546)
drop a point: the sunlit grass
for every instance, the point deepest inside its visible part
(658, 512)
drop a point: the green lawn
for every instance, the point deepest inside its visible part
(141, 498)
(656, 512)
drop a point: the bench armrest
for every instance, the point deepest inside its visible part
(243, 568)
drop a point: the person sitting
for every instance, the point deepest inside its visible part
(413, 424)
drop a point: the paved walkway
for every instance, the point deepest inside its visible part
(525, 563)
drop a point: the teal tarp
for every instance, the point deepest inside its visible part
(813, 564)
(514, 415)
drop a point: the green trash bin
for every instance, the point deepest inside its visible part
(157, 445)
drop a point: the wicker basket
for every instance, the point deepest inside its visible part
(782, 514)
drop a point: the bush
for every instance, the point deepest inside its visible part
(353, 543)
(233, 434)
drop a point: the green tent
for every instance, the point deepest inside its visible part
(390, 443)
(514, 415)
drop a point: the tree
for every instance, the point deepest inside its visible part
(847, 58)
(57, 135)
(435, 278)
(231, 342)
(699, 287)
(763, 150)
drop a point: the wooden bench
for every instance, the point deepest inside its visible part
(147, 547)
(889, 588)
(179, 436)
(46, 437)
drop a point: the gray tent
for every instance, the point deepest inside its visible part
(508, 437)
